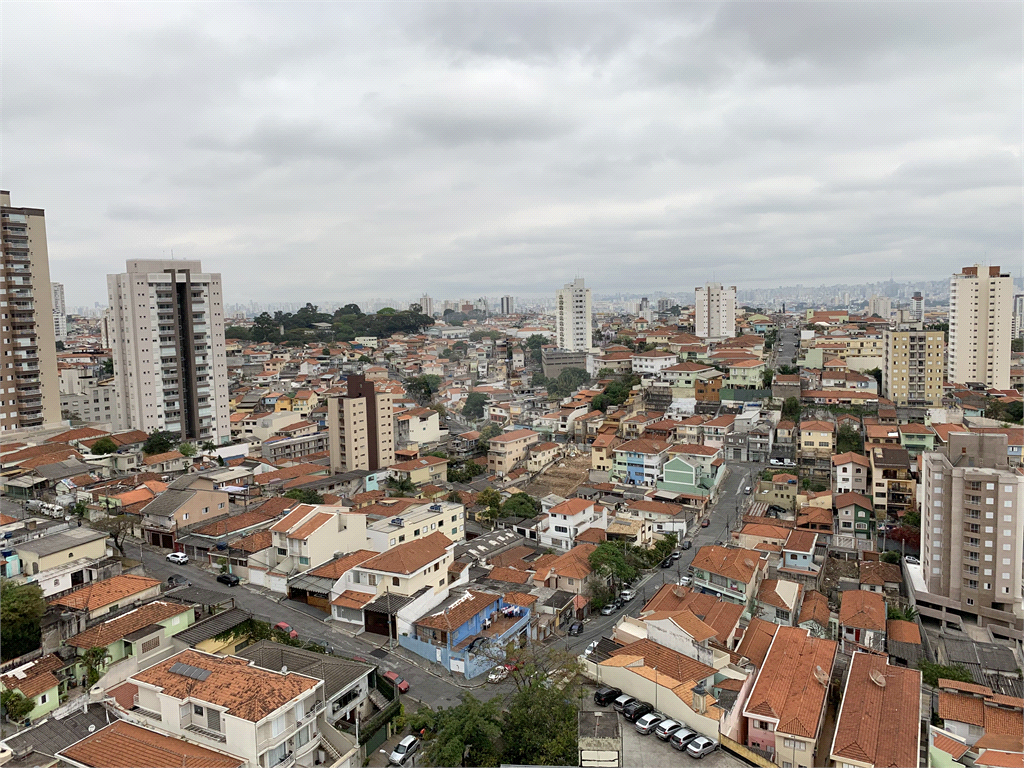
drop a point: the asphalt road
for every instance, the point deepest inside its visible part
(787, 346)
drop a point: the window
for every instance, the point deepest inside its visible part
(197, 710)
(282, 551)
(303, 561)
(149, 645)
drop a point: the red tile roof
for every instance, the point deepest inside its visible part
(101, 593)
(411, 556)
(863, 609)
(106, 633)
(123, 745)
(731, 562)
(35, 677)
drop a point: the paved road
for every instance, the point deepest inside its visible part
(787, 346)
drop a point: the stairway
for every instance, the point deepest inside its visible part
(378, 699)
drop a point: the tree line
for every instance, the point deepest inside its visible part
(346, 323)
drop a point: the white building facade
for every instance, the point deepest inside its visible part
(573, 309)
(715, 313)
(980, 316)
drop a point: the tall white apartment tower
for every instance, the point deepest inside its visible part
(573, 310)
(60, 312)
(917, 307)
(508, 305)
(980, 315)
(166, 329)
(715, 312)
(427, 305)
(28, 352)
(1018, 316)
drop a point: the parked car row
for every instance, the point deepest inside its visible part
(782, 462)
(646, 721)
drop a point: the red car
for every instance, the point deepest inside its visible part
(400, 684)
(286, 629)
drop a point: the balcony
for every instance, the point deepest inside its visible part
(143, 711)
(206, 733)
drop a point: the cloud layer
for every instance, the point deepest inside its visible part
(341, 151)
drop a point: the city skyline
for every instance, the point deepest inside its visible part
(417, 146)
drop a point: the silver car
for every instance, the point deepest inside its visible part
(403, 749)
(622, 701)
(647, 723)
(681, 739)
(666, 728)
(701, 746)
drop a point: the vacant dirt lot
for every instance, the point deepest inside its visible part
(562, 478)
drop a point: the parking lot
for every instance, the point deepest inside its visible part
(651, 752)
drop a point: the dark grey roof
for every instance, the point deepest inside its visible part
(213, 626)
(911, 653)
(489, 544)
(170, 500)
(62, 469)
(988, 656)
(559, 599)
(50, 736)
(58, 542)
(337, 673)
(597, 725)
(146, 631)
(388, 603)
(198, 595)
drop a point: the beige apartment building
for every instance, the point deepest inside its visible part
(506, 450)
(361, 427)
(980, 319)
(714, 315)
(29, 387)
(166, 328)
(972, 531)
(913, 367)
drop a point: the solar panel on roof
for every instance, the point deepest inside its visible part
(187, 670)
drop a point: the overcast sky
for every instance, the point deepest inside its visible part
(342, 151)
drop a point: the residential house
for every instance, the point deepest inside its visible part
(707, 387)
(639, 462)
(851, 472)
(817, 444)
(786, 707)
(879, 721)
(61, 560)
(716, 430)
(41, 681)
(541, 455)
(879, 576)
(856, 516)
(721, 615)
(506, 450)
(981, 720)
(410, 519)
(917, 438)
(816, 615)
(732, 573)
(779, 601)
(185, 502)
(420, 426)
(652, 362)
(893, 481)
(692, 470)
(799, 559)
(780, 491)
(428, 470)
(746, 374)
(862, 617)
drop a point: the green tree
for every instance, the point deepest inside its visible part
(932, 673)
(103, 446)
(911, 518)
(791, 409)
(1017, 345)
(94, 660)
(455, 497)
(158, 442)
(364, 359)
(891, 556)
(15, 706)
(21, 608)
(849, 440)
(520, 505)
(906, 613)
(788, 370)
(609, 559)
(118, 528)
(466, 734)
(187, 450)
(108, 366)
(766, 378)
(491, 499)
(305, 496)
(403, 487)
(473, 408)
(540, 724)
(424, 387)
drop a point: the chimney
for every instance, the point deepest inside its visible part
(31, 525)
(699, 704)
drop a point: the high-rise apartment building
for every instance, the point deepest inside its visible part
(980, 301)
(972, 530)
(29, 387)
(715, 312)
(508, 305)
(881, 306)
(913, 367)
(361, 427)
(60, 312)
(1018, 316)
(166, 330)
(917, 307)
(573, 310)
(427, 305)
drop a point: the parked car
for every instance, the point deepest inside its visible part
(400, 684)
(687, 544)
(911, 560)
(788, 463)
(667, 562)
(498, 674)
(705, 523)
(286, 628)
(636, 709)
(647, 723)
(746, 491)
(576, 628)
(403, 749)
(229, 578)
(178, 558)
(666, 728)
(591, 647)
(676, 555)
(622, 701)
(684, 581)
(627, 594)
(609, 609)
(604, 695)
(701, 746)
(776, 462)
(681, 738)
(178, 581)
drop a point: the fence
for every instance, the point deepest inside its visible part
(750, 754)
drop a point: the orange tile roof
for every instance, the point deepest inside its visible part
(998, 758)
(106, 633)
(591, 536)
(815, 608)
(962, 708)
(863, 609)
(34, 678)
(720, 615)
(787, 688)
(666, 661)
(574, 564)
(314, 523)
(411, 556)
(757, 639)
(293, 518)
(160, 458)
(123, 745)
(731, 562)
(234, 523)
(956, 685)
(510, 575)
(82, 433)
(50, 458)
(352, 599)
(254, 542)
(461, 611)
(878, 724)
(877, 573)
(949, 746)
(520, 598)
(101, 593)
(335, 569)
(7, 519)
(246, 691)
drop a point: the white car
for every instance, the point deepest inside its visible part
(788, 463)
(776, 462)
(591, 647)
(179, 558)
(684, 581)
(403, 749)
(498, 674)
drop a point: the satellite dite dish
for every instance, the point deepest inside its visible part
(92, 728)
(820, 676)
(877, 678)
